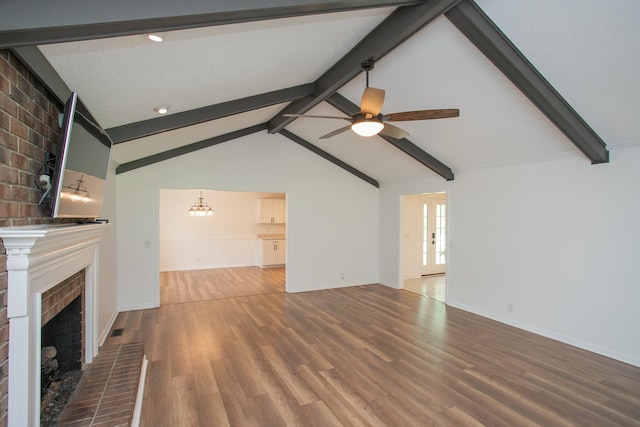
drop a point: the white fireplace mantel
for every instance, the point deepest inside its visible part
(38, 258)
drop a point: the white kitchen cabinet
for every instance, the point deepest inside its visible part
(273, 211)
(274, 252)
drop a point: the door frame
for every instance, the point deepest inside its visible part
(433, 200)
(401, 238)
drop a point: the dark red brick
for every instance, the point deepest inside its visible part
(8, 105)
(19, 194)
(8, 71)
(7, 140)
(21, 98)
(31, 148)
(17, 222)
(26, 117)
(19, 161)
(8, 174)
(28, 210)
(9, 209)
(19, 129)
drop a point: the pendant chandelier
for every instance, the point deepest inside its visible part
(201, 209)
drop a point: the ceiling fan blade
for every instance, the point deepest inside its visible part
(316, 117)
(393, 131)
(372, 100)
(421, 115)
(336, 132)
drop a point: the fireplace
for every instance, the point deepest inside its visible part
(62, 320)
(38, 259)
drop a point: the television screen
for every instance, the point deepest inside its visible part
(82, 164)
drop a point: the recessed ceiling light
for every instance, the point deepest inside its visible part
(155, 37)
(161, 110)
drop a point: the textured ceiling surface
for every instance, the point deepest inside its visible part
(586, 50)
(123, 79)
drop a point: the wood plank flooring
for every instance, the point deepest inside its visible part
(200, 285)
(364, 356)
(428, 286)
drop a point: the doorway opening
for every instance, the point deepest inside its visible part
(424, 244)
(239, 250)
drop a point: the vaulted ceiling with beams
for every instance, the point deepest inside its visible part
(532, 79)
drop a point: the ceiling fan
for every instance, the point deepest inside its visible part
(370, 121)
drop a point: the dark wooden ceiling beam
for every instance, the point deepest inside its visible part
(404, 145)
(33, 58)
(190, 148)
(175, 121)
(22, 26)
(320, 152)
(395, 29)
(482, 32)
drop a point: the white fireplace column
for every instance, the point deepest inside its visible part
(38, 258)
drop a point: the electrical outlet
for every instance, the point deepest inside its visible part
(342, 276)
(510, 307)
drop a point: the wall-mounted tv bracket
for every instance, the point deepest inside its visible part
(44, 174)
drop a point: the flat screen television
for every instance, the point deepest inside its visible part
(82, 163)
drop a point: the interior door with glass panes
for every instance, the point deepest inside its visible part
(434, 234)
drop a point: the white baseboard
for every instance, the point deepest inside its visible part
(134, 307)
(391, 285)
(105, 333)
(323, 288)
(272, 266)
(626, 358)
(202, 267)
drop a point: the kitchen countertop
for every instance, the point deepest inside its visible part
(271, 236)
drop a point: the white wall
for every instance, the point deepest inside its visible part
(226, 239)
(559, 240)
(107, 293)
(331, 225)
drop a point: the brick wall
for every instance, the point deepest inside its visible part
(28, 129)
(57, 298)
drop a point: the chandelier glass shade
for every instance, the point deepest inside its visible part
(200, 208)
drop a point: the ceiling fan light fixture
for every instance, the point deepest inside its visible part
(367, 127)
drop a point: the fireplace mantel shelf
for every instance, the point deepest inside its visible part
(30, 238)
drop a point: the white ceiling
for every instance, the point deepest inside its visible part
(588, 51)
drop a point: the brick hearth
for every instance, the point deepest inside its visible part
(106, 393)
